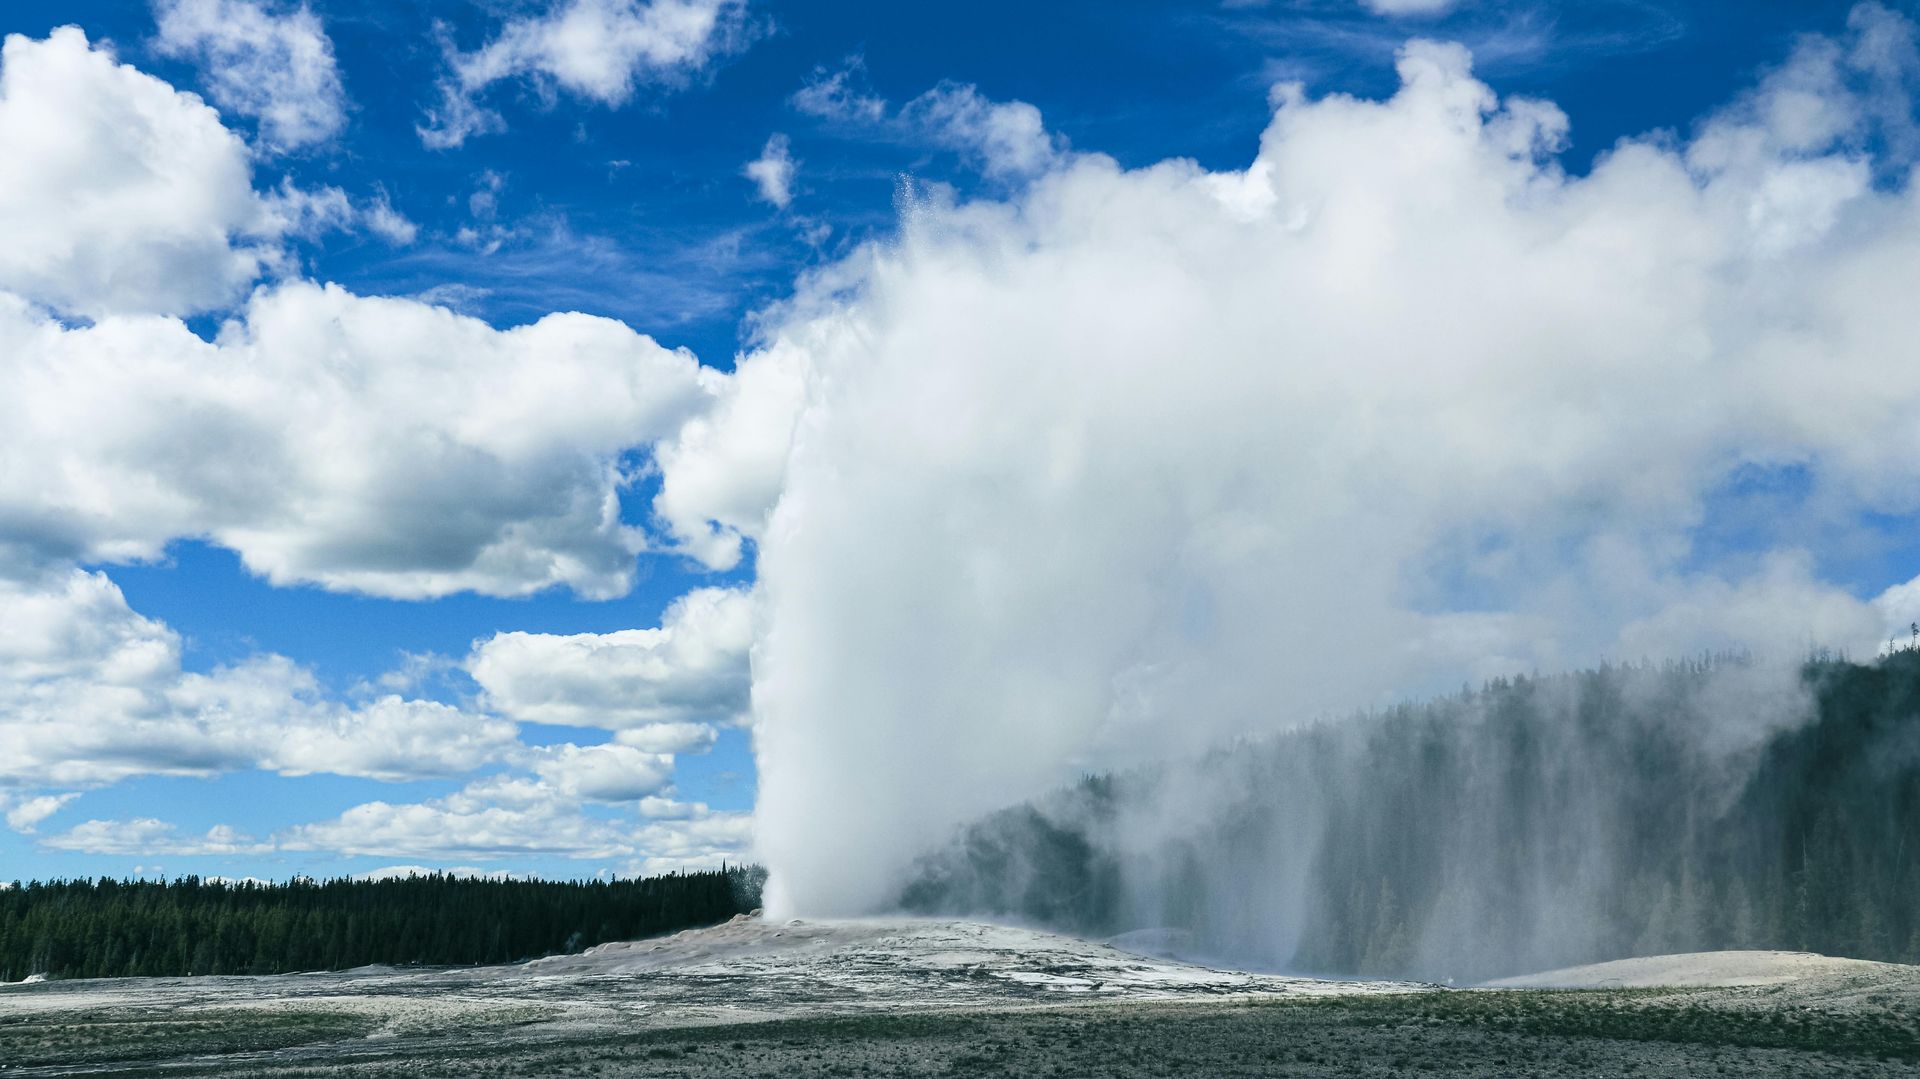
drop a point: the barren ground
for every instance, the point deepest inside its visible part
(917, 998)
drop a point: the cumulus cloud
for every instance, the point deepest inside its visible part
(275, 65)
(91, 692)
(363, 444)
(389, 738)
(681, 737)
(722, 470)
(661, 686)
(601, 50)
(772, 171)
(1135, 460)
(702, 839)
(118, 193)
(374, 445)
(122, 195)
(494, 819)
(603, 773)
(462, 825)
(487, 820)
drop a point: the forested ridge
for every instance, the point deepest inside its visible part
(190, 926)
(1534, 823)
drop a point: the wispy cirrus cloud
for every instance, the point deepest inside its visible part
(772, 172)
(1313, 39)
(1007, 140)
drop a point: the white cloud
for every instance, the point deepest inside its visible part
(380, 218)
(146, 837)
(665, 683)
(720, 473)
(388, 223)
(25, 814)
(841, 94)
(91, 692)
(436, 830)
(1008, 138)
(601, 50)
(772, 172)
(122, 195)
(1410, 7)
(454, 296)
(703, 839)
(1136, 460)
(1899, 610)
(309, 212)
(275, 65)
(603, 773)
(373, 445)
(654, 807)
(680, 737)
(118, 193)
(298, 211)
(362, 444)
(487, 820)
(387, 738)
(402, 872)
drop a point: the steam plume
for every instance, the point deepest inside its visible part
(1138, 460)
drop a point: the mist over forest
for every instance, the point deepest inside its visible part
(1535, 823)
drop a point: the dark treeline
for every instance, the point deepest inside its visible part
(107, 928)
(1536, 823)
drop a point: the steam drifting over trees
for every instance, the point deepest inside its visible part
(1536, 823)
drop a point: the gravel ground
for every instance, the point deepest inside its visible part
(951, 999)
(1601, 1033)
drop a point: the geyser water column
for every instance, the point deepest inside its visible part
(1140, 459)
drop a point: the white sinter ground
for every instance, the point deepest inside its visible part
(753, 969)
(1724, 969)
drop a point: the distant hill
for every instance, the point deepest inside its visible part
(1535, 823)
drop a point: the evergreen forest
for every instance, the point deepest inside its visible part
(192, 926)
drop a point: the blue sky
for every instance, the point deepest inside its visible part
(628, 198)
(684, 252)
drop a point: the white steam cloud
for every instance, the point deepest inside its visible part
(1140, 459)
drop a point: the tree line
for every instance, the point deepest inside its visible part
(108, 928)
(1531, 824)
